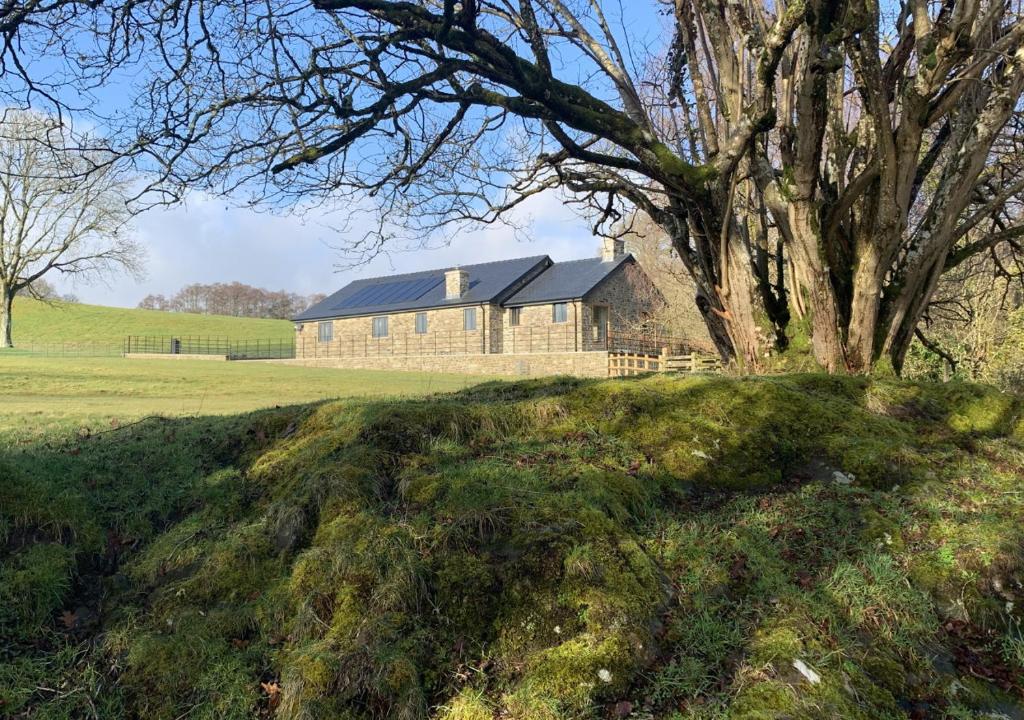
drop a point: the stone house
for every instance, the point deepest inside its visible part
(488, 314)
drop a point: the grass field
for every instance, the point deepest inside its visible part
(39, 322)
(51, 393)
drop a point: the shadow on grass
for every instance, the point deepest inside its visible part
(543, 549)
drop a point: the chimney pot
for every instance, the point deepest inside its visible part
(456, 283)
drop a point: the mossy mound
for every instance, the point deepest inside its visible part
(797, 546)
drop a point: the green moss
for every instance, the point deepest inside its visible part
(779, 645)
(764, 701)
(467, 705)
(543, 549)
(697, 176)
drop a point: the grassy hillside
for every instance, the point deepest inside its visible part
(787, 547)
(36, 321)
(47, 393)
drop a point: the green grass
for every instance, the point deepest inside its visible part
(40, 394)
(39, 322)
(562, 549)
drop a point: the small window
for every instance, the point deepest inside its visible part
(514, 316)
(600, 322)
(560, 312)
(469, 319)
(380, 327)
(325, 331)
(421, 323)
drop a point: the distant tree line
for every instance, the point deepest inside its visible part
(235, 298)
(43, 289)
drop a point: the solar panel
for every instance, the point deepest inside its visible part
(390, 293)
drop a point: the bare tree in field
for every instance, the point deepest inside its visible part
(62, 211)
(822, 160)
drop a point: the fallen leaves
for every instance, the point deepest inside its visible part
(273, 693)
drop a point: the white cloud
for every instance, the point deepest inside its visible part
(207, 240)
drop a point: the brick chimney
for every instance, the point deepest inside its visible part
(456, 283)
(612, 249)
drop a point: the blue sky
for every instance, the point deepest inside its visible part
(209, 239)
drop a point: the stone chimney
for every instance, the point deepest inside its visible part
(456, 283)
(612, 249)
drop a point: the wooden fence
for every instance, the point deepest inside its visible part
(693, 362)
(625, 363)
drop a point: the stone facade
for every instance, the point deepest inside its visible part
(445, 335)
(538, 332)
(623, 297)
(628, 296)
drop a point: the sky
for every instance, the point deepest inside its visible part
(207, 239)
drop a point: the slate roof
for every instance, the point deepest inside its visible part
(566, 281)
(488, 283)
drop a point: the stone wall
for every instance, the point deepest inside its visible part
(537, 332)
(581, 364)
(178, 356)
(445, 335)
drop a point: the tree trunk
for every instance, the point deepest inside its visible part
(827, 338)
(745, 317)
(864, 307)
(6, 312)
(918, 289)
(728, 296)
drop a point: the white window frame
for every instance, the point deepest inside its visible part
(322, 336)
(421, 323)
(469, 319)
(515, 316)
(374, 330)
(554, 312)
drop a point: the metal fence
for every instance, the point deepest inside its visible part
(270, 349)
(176, 345)
(455, 342)
(81, 348)
(261, 350)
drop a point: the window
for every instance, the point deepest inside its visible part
(514, 316)
(421, 323)
(469, 319)
(325, 331)
(380, 327)
(600, 322)
(560, 312)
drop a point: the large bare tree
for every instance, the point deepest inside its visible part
(827, 161)
(62, 210)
